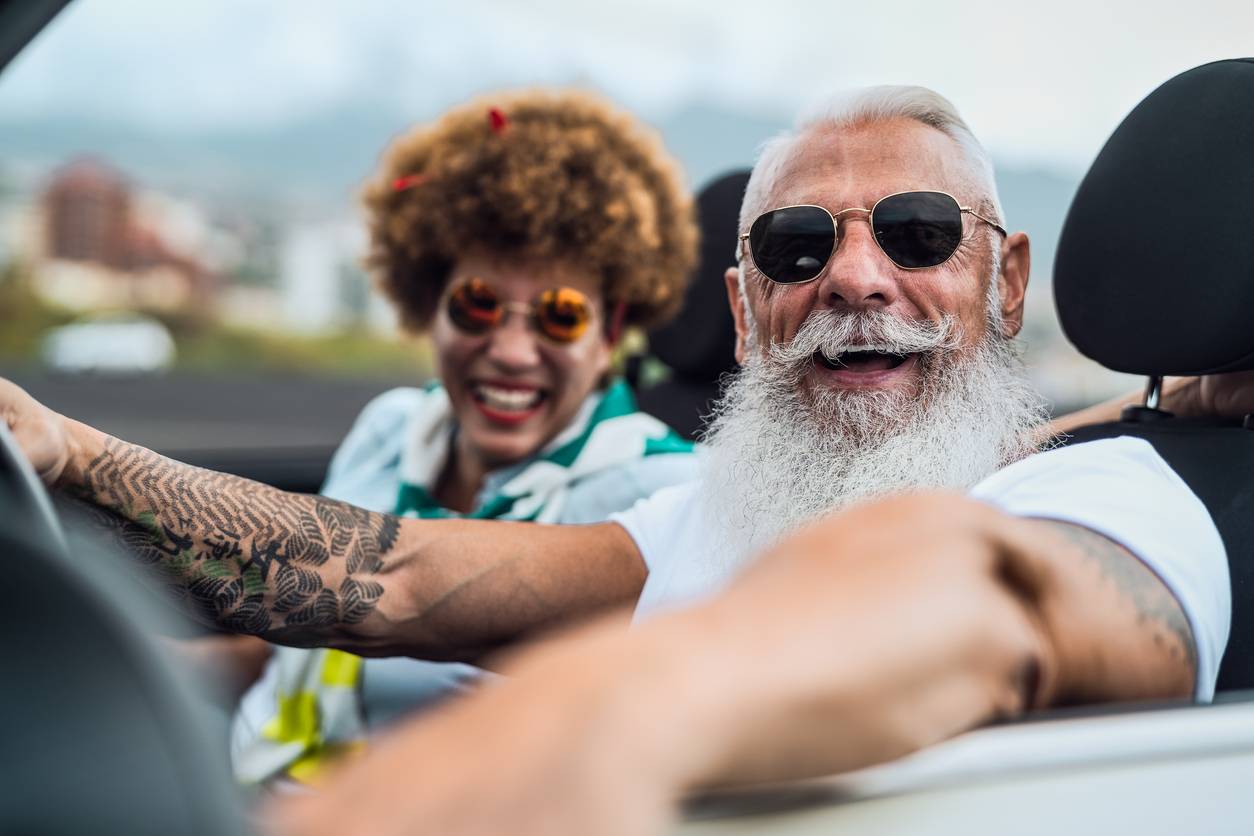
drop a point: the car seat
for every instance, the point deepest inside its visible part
(1154, 275)
(699, 345)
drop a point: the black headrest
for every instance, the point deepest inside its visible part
(701, 342)
(1154, 272)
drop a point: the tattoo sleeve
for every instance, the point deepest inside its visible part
(1157, 610)
(247, 557)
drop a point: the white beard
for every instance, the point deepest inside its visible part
(778, 455)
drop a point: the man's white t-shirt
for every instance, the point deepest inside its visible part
(1120, 488)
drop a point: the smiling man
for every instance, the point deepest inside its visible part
(887, 313)
(876, 298)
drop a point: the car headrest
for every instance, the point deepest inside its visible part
(1154, 272)
(700, 342)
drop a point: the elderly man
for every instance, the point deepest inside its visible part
(875, 300)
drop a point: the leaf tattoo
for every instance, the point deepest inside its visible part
(246, 556)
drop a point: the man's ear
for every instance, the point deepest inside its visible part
(1012, 281)
(737, 304)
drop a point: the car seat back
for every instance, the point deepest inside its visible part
(1154, 275)
(699, 346)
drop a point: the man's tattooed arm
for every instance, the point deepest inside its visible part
(248, 558)
(1144, 619)
(306, 570)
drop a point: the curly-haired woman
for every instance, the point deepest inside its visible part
(523, 232)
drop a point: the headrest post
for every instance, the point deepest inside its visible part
(1154, 391)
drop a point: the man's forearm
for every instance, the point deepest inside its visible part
(895, 626)
(845, 648)
(248, 558)
(305, 570)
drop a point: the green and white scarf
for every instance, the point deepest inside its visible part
(608, 432)
(318, 713)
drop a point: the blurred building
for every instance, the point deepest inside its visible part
(100, 251)
(87, 215)
(322, 286)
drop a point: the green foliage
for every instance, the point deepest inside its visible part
(24, 317)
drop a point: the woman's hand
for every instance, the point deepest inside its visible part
(43, 435)
(1228, 395)
(229, 665)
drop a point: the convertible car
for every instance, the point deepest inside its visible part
(101, 737)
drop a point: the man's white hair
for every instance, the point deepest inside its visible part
(870, 104)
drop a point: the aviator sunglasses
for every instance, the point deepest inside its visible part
(561, 314)
(914, 229)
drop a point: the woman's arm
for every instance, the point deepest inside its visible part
(1219, 395)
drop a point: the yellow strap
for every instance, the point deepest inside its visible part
(341, 668)
(297, 719)
(310, 765)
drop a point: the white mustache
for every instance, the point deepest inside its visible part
(835, 332)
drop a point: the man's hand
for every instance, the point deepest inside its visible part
(42, 434)
(855, 640)
(876, 631)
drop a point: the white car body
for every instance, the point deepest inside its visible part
(1181, 770)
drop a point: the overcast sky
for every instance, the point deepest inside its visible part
(1039, 82)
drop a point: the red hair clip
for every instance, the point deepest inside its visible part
(497, 119)
(400, 184)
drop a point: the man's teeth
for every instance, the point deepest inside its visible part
(858, 349)
(865, 357)
(508, 400)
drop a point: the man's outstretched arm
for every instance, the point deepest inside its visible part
(306, 570)
(869, 635)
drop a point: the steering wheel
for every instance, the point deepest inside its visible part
(25, 495)
(117, 733)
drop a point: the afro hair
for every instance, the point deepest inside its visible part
(548, 176)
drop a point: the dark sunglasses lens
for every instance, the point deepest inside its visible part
(918, 229)
(562, 314)
(474, 307)
(792, 244)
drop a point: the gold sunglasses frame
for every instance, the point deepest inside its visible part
(743, 247)
(527, 310)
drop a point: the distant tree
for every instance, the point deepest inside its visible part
(8, 186)
(24, 317)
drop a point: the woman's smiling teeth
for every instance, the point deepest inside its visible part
(507, 399)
